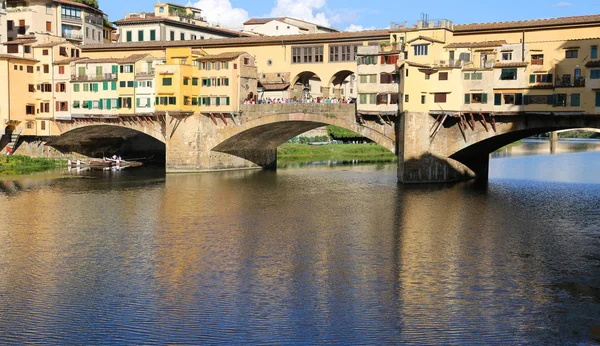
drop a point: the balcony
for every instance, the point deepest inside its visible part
(565, 81)
(72, 36)
(71, 20)
(94, 77)
(145, 74)
(448, 63)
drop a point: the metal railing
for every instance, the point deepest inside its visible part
(449, 63)
(94, 77)
(566, 81)
(72, 36)
(145, 73)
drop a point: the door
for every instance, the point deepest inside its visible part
(577, 77)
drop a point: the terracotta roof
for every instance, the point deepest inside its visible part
(20, 41)
(256, 21)
(275, 86)
(511, 64)
(242, 41)
(425, 38)
(593, 63)
(172, 21)
(127, 60)
(228, 55)
(15, 57)
(133, 58)
(51, 44)
(67, 61)
(484, 44)
(78, 4)
(417, 64)
(520, 24)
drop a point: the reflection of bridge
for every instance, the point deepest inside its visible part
(428, 150)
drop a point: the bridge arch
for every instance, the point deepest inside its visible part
(257, 139)
(342, 83)
(99, 139)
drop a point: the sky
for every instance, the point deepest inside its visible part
(354, 15)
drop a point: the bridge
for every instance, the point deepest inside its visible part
(433, 147)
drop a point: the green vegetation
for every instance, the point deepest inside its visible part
(19, 164)
(292, 153)
(90, 3)
(336, 132)
(579, 134)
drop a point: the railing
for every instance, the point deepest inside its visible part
(94, 77)
(71, 36)
(565, 81)
(449, 63)
(537, 61)
(143, 73)
(71, 19)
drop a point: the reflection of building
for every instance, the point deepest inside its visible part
(284, 26)
(74, 21)
(169, 22)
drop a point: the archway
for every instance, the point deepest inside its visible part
(106, 140)
(343, 84)
(307, 85)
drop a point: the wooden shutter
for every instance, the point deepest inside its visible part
(484, 98)
(518, 99)
(531, 78)
(497, 99)
(57, 106)
(467, 99)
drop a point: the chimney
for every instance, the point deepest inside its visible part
(419, 24)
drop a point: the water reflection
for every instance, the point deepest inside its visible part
(319, 254)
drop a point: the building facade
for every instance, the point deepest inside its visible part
(284, 26)
(169, 22)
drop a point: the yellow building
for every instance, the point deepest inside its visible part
(177, 82)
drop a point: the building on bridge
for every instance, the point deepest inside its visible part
(284, 26)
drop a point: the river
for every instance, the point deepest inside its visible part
(318, 254)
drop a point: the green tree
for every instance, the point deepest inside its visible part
(90, 3)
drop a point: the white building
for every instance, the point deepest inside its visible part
(76, 22)
(169, 22)
(284, 26)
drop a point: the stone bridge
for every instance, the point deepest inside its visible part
(217, 141)
(459, 147)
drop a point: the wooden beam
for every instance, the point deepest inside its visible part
(223, 118)
(438, 127)
(436, 121)
(212, 116)
(234, 119)
(493, 122)
(472, 121)
(484, 122)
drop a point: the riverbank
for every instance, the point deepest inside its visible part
(292, 153)
(20, 164)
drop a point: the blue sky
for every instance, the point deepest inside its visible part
(368, 14)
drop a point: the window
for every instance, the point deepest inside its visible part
(422, 99)
(29, 125)
(594, 52)
(30, 69)
(443, 76)
(509, 99)
(129, 36)
(406, 98)
(140, 35)
(30, 109)
(427, 76)
(46, 68)
(560, 100)
(597, 104)
(70, 11)
(129, 84)
(126, 68)
(45, 52)
(31, 88)
(506, 56)
(420, 49)
(538, 99)
(439, 97)
(43, 125)
(194, 81)
(594, 74)
(49, 9)
(13, 48)
(182, 36)
(571, 53)
(93, 34)
(172, 35)
(540, 78)
(152, 35)
(186, 81)
(537, 59)
(473, 76)
(382, 99)
(508, 74)
(167, 81)
(9, 25)
(476, 98)
(63, 51)
(342, 53)
(21, 30)
(122, 84)
(49, 26)
(575, 100)
(372, 99)
(307, 54)
(466, 57)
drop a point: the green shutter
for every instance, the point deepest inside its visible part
(497, 99)
(89, 104)
(218, 101)
(484, 98)
(100, 104)
(104, 85)
(208, 100)
(119, 103)
(218, 81)
(113, 85)
(531, 78)
(82, 70)
(575, 100)
(76, 88)
(137, 102)
(227, 100)
(115, 69)
(156, 102)
(108, 103)
(226, 81)
(148, 102)
(550, 78)
(467, 99)
(121, 68)
(555, 100)
(135, 84)
(597, 98)
(208, 82)
(526, 99)
(98, 71)
(518, 99)
(95, 87)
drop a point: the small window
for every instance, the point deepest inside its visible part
(45, 52)
(537, 59)
(443, 76)
(506, 56)
(420, 49)
(508, 74)
(509, 99)
(439, 97)
(167, 81)
(571, 53)
(594, 52)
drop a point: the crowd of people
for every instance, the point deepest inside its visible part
(321, 100)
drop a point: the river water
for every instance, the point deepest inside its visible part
(319, 254)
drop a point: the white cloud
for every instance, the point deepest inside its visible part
(562, 4)
(222, 13)
(309, 10)
(354, 27)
